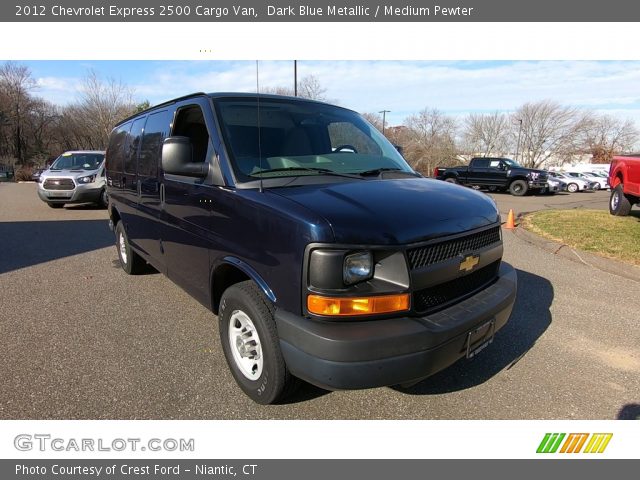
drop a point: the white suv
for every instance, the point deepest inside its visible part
(74, 177)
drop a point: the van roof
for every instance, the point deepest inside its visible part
(219, 95)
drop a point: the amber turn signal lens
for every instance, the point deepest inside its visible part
(350, 306)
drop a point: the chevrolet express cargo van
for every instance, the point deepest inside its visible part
(324, 255)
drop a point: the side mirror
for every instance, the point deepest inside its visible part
(177, 156)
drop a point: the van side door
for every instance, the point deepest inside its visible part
(188, 202)
(148, 237)
(129, 189)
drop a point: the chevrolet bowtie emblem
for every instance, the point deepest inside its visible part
(469, 263)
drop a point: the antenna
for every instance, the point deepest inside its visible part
(259, 141)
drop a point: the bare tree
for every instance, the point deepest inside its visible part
(374, 119)
(605, 136)
(487, 134)
(102, 104)
(548, 130)
(430, 140)
(16, 83)
(309, 87)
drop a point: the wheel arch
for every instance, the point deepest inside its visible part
(232, 270)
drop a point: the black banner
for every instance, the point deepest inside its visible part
(315, 469)
(318, 11)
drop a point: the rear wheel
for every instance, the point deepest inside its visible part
(451, 180)
(130, 261)
(518, 188)
(55, 205)
(251, 346)
(619, 204)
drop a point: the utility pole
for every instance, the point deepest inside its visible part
(295, 78)
(519, 133)
(384, 116)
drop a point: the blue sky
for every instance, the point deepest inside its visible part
(404, 87)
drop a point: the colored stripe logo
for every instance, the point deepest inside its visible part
(574, 443)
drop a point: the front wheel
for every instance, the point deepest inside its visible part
(103, 201)
(251, 345)
(619, 204)
(573, 188)
(518, 188)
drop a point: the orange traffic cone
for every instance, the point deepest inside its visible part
(510, 221)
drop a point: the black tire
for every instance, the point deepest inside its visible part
(130, 261)
(619, 204)
(573, 187)
(518, 188)
(103, 201)
(269, 381)
(451, 180)
(55, 205)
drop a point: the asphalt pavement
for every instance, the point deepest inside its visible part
(82, 340)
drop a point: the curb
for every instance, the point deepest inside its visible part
(608, 265)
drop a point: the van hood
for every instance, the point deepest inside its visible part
(394, 212)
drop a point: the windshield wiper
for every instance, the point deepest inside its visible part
(377, 171)
(323, 171)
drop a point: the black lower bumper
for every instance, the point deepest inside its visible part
(353, 355)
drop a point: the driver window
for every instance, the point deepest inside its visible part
(190, 123)
(496, 164)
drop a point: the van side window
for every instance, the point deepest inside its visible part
(132, 145)
(155, 131)
(115, 150)
(190, 123)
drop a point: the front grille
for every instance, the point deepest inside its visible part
(439, 296)
(59, 184)
(439, 252)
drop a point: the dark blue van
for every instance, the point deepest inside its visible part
(324, 255)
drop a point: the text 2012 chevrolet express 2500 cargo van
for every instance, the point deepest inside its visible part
(324, 255)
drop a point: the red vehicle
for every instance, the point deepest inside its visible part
(624, 178)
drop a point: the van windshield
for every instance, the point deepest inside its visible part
(78, 161)
(295, 138)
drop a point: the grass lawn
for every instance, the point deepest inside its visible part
(594, 231)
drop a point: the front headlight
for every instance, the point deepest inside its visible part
(87, 179)
(357, 267)
(534, 175)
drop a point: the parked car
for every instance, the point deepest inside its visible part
(624, 178)
(596, 181)
(74, 177)
(574, 184)
(554, 185)
(495, 174)
(324, 255)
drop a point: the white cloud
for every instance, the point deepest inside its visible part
(402, 87)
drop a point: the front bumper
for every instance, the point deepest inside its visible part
(366, 354)
(537, 184)
(80, 194)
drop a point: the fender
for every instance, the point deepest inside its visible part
(250, 272)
